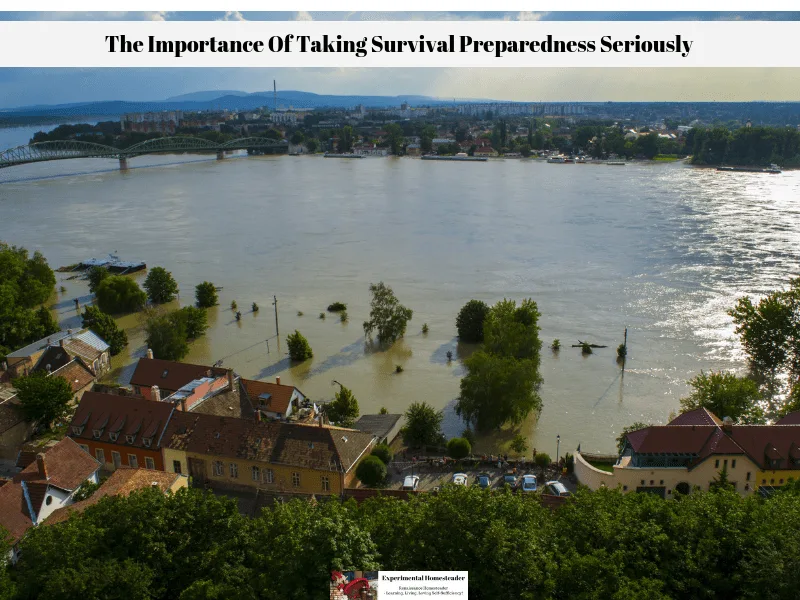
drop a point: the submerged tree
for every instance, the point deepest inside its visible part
(161, 287)
(470, 321)
(299, 348)
(388, 318)
(106, 328)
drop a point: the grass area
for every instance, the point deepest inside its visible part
(602, 466)
(666, 157)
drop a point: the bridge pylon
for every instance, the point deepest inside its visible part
(123, 163)
(220, 154)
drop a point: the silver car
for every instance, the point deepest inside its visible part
(528, 483)
(411, 482)
(556, 488)
(460, 479)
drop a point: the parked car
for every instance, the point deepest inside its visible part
(556, 488)
(510, 478)
(527, 483)
(484, 481)
(460, 479)
(411, 482)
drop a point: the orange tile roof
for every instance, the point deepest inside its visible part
(77, 374)
(280, 395)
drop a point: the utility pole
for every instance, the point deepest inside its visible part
(275, 304)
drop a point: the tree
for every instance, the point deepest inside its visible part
(513, 331)
(383, 452)
(86, 491)
(299, 349)
(721, 481)
(423, 425)
(626, 430)
(470, 321)
(388, 317)
(105, 327)
(371, 471)
(346, 139)
(43, 398)
(95, 276)
(119, 294)
(542, 460)
(194, 319)
(166, 336)
(519, 444)
(312, 144)
(458, 448)
(205, 295)
(161, 287)
(46, 323)
(725, 395)
(395, 135)
(498, 389)
(343, 410)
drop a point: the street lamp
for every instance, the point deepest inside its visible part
(558, 446)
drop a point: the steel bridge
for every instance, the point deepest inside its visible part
(66, 149)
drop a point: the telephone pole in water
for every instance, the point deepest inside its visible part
(275, 304)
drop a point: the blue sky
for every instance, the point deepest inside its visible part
(24, 87)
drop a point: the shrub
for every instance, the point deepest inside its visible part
(234, 306)
(161, 287)
(205, 294)
(383, 452)
(322, 316)
(586, 348)
(398, 368)
(299, 349)
(519, 444)
(337, 307)
(299, 313)
(542, 460)
(424, 328)
(469, 435)
(255, 307)
(343, 316)
(383, 411)
(458, 448)
(569, 462)
(470, 321)
(371, 471)
(622, 351)
(119, 294)
(556, 345)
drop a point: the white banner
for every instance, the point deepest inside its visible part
(398, 44)
(423, 585)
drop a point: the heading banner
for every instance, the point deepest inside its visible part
(397, 44)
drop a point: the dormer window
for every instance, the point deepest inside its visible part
(130, 438)
(164, 374)
(77, 430)
(311, 445)
(147, 441)
(113, 436)
(97, 433)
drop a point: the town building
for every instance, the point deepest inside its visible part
(119, 430)
(58, 349)
(273, 457)
(167, 376)
(122, 482)
(153, 122)
(44, 486)
(485, 151)
(15, 430)
(276, 400)
(385, 428)
(691, 451)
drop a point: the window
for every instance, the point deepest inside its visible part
(218, 468)
(661, 482)
(234, 470)
(49, 500)
(130, 438)
(269, 476)
(733, 464)
(763, 481)
(116, 459)
(652, 482)
(256, 474)
(642, 481)
(147, 441)
(771, 481)
(326, 484)
(176, 466)
(133, 461)
(725, 464)
(85, 448)
(624, 488)
(97, 433)
(77, 430)
(101, 456)
(747, 478)
(113, 436)
(149, 463)
(746, 487)
(780, 481)
(295, 479)
(716, 464)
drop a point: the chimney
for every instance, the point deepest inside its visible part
(209, 373)
(61, 342)
(149, 353)
(727, 425)
(40, 464)
(230, 378)
(183, 404)
(258, 416)
(278, 379)
(48, 368)
(155, 393)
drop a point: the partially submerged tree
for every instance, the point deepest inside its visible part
(470, 321)
(119, 294)
(161, 287)
(205, 295)
(299, 348)
(387, 318)
(105, 327)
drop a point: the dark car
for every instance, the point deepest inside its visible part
(510, 478)
(484, 481)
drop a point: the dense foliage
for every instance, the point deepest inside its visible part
(387, 317)
(423, 426)
(43, 398)
(725, 395)
(106, 327)
(161, 287)
(745, 146)
(119, 294)
(502, 381)
(343, 409)
(383, 452)
(599, 545)
(371, 471)
(458, 448)
(168, 334)
(470, 321)
(95, 276)
(299, 348)
(25, 283)
(205, 295)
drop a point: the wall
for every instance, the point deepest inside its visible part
(141, 453)
(60, 498)
(590, 476)
(775, 478)
(13, 438)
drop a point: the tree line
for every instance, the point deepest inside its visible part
(194, 545)
(756, 146)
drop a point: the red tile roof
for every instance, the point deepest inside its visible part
(67, 465)
(10, 416)
(120, 420)
(793, 418)
(169, 375)
(14, 511)
(77, 374)
(280, 395)
(698, 416)
(682, 439)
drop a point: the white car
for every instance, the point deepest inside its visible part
(460, 479)
(411, 482)
(556, 488)
(527, 483)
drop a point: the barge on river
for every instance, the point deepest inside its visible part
(773, 169)
(111, 262)
(459, 157)
(334, 155)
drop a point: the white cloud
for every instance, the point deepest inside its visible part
(232, 15)
(303, 16)
(531, 16)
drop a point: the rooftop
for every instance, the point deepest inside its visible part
(377, 425)
(170, 375)
(275, 397)
(85, 336)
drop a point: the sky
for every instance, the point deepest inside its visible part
(25, 87)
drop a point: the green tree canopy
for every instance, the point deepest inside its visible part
(513, 331)
(371, 471)
(166, 335)
(458, 448)
(161, 287)
(725, 395)
(470, 321)
(106, 327)
(383, 452)
(387, 317)
(195, 320)
(343, 410)
(626, 430)
(119, 294)
(43, 398)
(423, 425)
(299, 348)
(95, 276)
(205, 295)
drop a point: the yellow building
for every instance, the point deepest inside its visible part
(275, 457)
(693, 449)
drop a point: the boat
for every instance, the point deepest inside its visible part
(580, 160)
(332, 155)
(773, 169)
(559, 160)
(570, 160)
(616, 163)
(461, 156)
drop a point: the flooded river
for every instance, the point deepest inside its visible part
(662, 249)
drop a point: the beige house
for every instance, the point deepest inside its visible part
(57, 350)
(693, 449)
